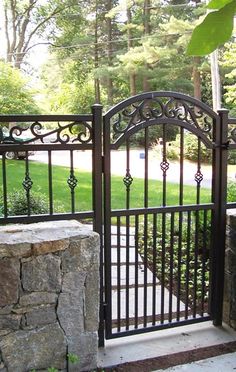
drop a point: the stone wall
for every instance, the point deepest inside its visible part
(229, 313)
(49, 296)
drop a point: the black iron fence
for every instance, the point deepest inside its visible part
(164, 237)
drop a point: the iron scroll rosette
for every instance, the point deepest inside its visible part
(63, 134)
(161, 107)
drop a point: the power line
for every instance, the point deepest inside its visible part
(100, 43)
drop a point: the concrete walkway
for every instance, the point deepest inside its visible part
(221, 363)
(164, 342)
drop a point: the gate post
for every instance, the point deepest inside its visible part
(220, 196)
(97, 201)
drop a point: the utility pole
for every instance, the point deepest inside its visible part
(215, 81)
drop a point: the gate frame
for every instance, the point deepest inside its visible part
(219, 146)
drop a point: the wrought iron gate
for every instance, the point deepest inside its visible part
(164, 246)
(163, 258)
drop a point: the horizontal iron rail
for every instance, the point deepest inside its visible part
(47, 217)
(34, 118)
(232, 121)
(230, 205)
(158, 327)
(45, 147)
(168, 209)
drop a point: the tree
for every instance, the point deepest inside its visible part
(215, 29)
(24, 23)
(15, 96)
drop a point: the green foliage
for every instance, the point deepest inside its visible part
(215, 29)
(18, 204)
(232, 157)
(73, 358)
(15, 96)
(190, 149)
(186, 254)
(231, 192)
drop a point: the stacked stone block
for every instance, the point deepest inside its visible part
(230, 271)
(49, 296)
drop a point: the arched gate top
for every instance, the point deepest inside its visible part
(153, 108)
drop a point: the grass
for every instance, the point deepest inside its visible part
(83, 192)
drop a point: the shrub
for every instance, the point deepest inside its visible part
(17, 203)
(231, 192)
(232, 157)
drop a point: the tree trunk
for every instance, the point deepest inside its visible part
(96, 58)
(147, 30)
(132, 75)
(197, 78)
(109, 49)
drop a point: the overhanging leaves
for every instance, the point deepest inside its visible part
(215, 30)
(218, 4)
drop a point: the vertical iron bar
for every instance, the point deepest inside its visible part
(145, 229)
(27, 175)
(204, 257)
(97, 202)
(179, 263)
(172, 221)
(4, 184)
(196, 252)
(154, 269)
(118, 275)
(180, 222)
(50, 182)
(163, 263)
(188, 248)
(127, 237)
(163, 248)
(136, 297)
(72, 175)
(181, 162)
(198, 169)
(165, 161)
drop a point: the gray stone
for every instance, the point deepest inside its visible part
(70, 312)
(6, 310)
(5, 332)
(41, 316)
(74, 282)
(70, 309)
(42, 273)
(92, 301)
(15, 250)
(10, 322)
(40, 348)
(9, 281)
(85, 346)
(2, 368)
(82, 254)
(38, 298)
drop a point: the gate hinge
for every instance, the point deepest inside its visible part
(103, 167)
(224, 145)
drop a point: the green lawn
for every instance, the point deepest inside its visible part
(83, 194)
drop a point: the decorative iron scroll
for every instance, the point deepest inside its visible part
(128, 180)
(72, 181)
(73, 132)
(27, 182)
(232, 135)
(198, 177)
(162, 108)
